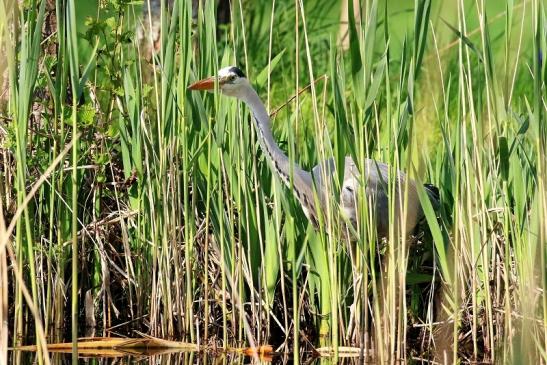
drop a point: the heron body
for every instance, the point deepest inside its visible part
(376, 175)
(308, 186)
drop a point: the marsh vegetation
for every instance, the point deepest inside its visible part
(130, 205)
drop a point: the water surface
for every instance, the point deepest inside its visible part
(171, 358)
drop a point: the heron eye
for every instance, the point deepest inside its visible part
(233, 77)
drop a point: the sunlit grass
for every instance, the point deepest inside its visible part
(166, 218)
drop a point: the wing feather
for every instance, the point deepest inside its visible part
(376, 179)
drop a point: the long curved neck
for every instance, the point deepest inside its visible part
(302, 180)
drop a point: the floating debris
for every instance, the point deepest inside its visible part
(264, 352)
(343, 351)
(116, 346)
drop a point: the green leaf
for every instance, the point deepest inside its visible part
(418, 278)
(86, 115)
(464, 39)
(263, 75)
(504, 158)
(435, 229)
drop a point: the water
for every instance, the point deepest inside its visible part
(185, 358)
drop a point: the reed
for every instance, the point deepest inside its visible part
(144, 207)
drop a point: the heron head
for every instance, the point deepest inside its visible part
(231, 82)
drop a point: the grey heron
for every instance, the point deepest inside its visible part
(308, 185)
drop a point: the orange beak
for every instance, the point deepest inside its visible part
(205, 84)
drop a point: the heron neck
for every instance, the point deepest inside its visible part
(302, 180)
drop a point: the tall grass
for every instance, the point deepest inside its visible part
(166, 218)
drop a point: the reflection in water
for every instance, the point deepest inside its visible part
(187, 358)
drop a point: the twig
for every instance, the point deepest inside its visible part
(274, 113)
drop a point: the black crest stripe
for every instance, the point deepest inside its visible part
(237, 71)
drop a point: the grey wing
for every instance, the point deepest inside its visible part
(349, 191)
(376, 179)
(324, 174)
(376, 174)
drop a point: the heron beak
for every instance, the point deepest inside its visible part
(205, 84)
